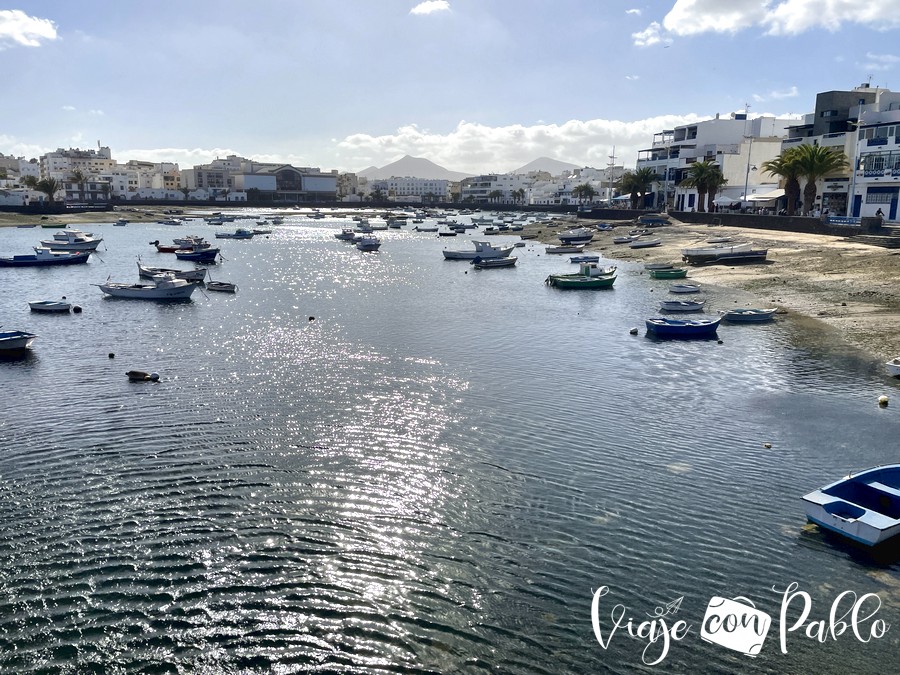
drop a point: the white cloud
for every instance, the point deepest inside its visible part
(431, 6)
(649, 36)
(476, 148)
(98, 113)
(17, 28)
(879, 61)
(636, 12)
(778, 17)
(69, 108)
(793, 92)
(632, 77)
(188, 157)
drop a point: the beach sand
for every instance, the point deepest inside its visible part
(850, 286)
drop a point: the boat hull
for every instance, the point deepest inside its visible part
(35, 261)
(15, 341)
(204, 255)
(675, 273)
(147, 292)
(580, 281)
(675, 328)
(749, 315)
(49, 306)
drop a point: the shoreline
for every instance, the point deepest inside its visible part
(849, 286)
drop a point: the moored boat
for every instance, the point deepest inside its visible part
(682, 305)
(483, 250)
(369, 243)
(221, 286)
(749, 314)
(584, 259)
(682, 328)
(893, 366)
(146, 272)
(72, 240)
(45, 256)
(206, 255)
(165, 287)
(580, 281)
(50, 306)
(684, 288)
(15, 342)
(490, 263)
(239, 233)
(671, 273)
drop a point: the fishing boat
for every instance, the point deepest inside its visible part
(368, 243)
(206, 255)
(166, 287)
(682, 328)
(50, 306)
(684, 288)
(45, 256)
(864, 507)
(15, 342)
(645, 243)
(749, 314)
(346, 234)
(72, 240)
(565, 248)
(584, 259)
(483, 250)
(682, 305)
(239, 233)
(490, 263)
(146, 272)
(671, 273)
(893, 366)
(580, 281)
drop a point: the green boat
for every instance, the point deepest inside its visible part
(580, 281)
(674, 273)
(48, 226)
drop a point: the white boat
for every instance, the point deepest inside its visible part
(166, 287)
(72, 240)
(864, 507)
(749, 314)
(623, 240)
(565, 248)
(239, 233)
(893, 366)
(682, 305)
(483, 250)
(15, 341)
(188, 275)
(346, 234)
(66, 234)
(50, 305)
(491, 263)
(684, 288)
(658, 266)
(580, 235)
(645, 243)
(368, 243)
(713, 251)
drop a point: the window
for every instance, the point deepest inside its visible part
(880, 197)
(829, 113)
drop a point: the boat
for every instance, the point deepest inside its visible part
(749, 314)
(447, 233)
(584, 258)
(49, 226)
(581, 235)
(682, 328)
(580, 281)
(671, 273)
(368, 243)
(346, 234)
(203, 255)
(657, 266)
(73, 240)
(565, 248)
(718, 240)
(684, 288)
(893, 366)
(706, 254)
(26, 225)
(50, 305)
(490, 263)
(239, 233)
(863, 507)
(682, 305)
(14, 342)
(166, 287)
(121, 222)
(638, 232)
(654, 219)
(623, 240)
(751, 255)
(483, 250)
(426, 229)
(261, 230)
(221, 286)
(142, 376)
(188, 275)
(645, 243)
(45, 256)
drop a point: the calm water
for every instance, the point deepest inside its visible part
(434, 475)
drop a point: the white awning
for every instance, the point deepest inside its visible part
(766, 196)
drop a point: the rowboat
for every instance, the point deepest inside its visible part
(584, 259)
(565, 248)
(645, 243)
(658, 266)
(682, 306)
(206, 255)
(483, 250)
(221, 286)
(893, 366)
(684, 288)
(490, 263)
(579, 281)
(749, 314)
(15, 342)
(682, 328)
(673, 273)
(189, 275)
(50, 305)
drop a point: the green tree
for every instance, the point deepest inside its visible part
(698, 176)
(715, 181)
(495, 195)
(30, 181)
(584, 192)
(786, 167)
(49, 186)
(816, 162)
(79, 178)
(637, 184)
(186, 191)
(376, 195)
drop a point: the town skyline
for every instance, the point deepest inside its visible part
(476, 89)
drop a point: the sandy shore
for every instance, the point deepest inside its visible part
(852, 287)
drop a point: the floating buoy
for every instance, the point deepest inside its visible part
(312, 318)
(719, 342)
(883, 401)
(76, 309)
(111, 355)
(633, 331)
(767, 445)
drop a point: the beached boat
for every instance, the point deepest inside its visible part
(490, 263)
(682, 328)
(483, 250)
(584, 259)
(46, 256)
(121, 222)
(205, 255)
(623, 240)
(654, 219)
(565, 248)
(50, 306)
(146, 272)
(893, 366)
(749, 314)
(864, 507)
(684, 288)
(682, 305)
(713, 251)
(750, 256)
(368, 243)
(580, 235)
(645, 243)
(14, 342)
(707, 254)
(165, 287)
(658, 266)
(671, 273)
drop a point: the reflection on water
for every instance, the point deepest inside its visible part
(431, 476)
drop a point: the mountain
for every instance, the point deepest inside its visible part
(553, 166)
(414, 167)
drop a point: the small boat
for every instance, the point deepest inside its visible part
(368, 243)
(426, 229)
(893, 367)
(645, 243)
(623, 240)
(483, 250)
(49, 226)
(718, 240)
(121, 222)
(45, 256)
(565, 248)
(671, 273)
(863, 507)
(221, 286)
(682, 305)
(584, 259)
(73, 240)
(490, 263)
(188, 275)
(581, 235)
(682, 328)
(239, 233)
(684, 288)
(258, 230)
(580, 281)
(346, 234)
(749, 314)
(50, 305)
(15, 342)
(638, 233)
(654, 219)
(27, 225)
(713, 251)
(658, 266)
(447, 233)
(528, 236)
(166, 287)
(206, 255)
(142, 376)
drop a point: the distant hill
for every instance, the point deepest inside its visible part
(553, 166)
(414, 167)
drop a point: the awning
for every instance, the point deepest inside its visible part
(722, 200)
(766, 196)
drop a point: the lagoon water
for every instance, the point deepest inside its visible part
(433, 475)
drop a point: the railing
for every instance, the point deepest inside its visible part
(842, 220)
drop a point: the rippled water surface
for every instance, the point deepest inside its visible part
(391, 462)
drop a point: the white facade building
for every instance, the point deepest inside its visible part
(413, 189)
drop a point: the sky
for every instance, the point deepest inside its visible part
(480, 86)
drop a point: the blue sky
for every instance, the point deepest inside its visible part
(474, 85)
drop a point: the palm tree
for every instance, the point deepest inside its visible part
(786, 166)
(494, 195)
(186, 191)
(30, 181)
(80, 179)
(816, 162)
(698, 177)
(637, 184)
(49, 186)
(714, 182)
(583, 192)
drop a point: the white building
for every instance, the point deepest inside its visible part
(409, 189)
(62, 163)
(504, 188)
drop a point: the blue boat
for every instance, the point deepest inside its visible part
(864, 507)
(683, 328)
(44, 256)
(202, 255)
